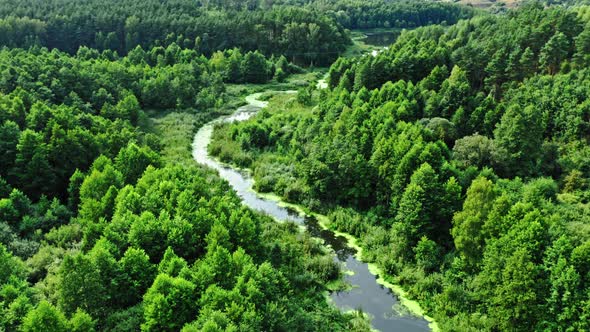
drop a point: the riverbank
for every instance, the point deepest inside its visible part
(413, 306)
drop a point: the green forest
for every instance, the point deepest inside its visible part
(99, 231)
(456, 157)
(310, 34)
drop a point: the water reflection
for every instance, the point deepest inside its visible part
(381, 38)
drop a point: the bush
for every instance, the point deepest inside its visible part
(295, 192)
(323, 268)
(304, 96)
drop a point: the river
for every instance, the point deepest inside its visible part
(366, 293)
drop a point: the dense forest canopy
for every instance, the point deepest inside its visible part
(99, 232)
(458, 157)
(61, 111)
(363, 14)
(311, 34)
(111, 25)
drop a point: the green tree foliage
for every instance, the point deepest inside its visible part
(254, 68)
(112, 238)
(81, 322)
(31, 165)
(355, 14)
(304, 34)
(137, 271)
(467, 186)
(81, 286)
(553, 53)
(202, 253)
(520, 134)
(9, 138)
(468, 224)
(458, 156)
(45, 317)
(169, 304)
(87, 105)
(582, 44)
(133, 160)
(427, 254)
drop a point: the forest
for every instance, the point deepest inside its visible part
(458, 159)
(101, 230)
(311, 34)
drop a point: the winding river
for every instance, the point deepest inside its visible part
(366, 293)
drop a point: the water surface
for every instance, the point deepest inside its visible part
(381, 38)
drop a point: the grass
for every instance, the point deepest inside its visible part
(357, 48)
(176, 128)
(293, 82)
(286, 103)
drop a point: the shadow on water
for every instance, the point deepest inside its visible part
(381, 38)
(366, 293)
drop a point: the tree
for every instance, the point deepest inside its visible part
(137, 55)
(582, 54)
(169, 304)
(554, 52)
(133, 160)
(280, 75)
(9, 138)
(109, 273)
(435, 79)
(468, 233)
(417, 206)
(96, 185)
(31, 168)
(218, 237)
(427, 254)
(12, 266)
(45, 317)
(80, 286)
(171, 264)
(304, 97)
(146, 233)
(137, 274)
(520, 134)
(454, 93)
(76, 181)
(363, 76)
(516, 302)
(527, 63)
(496, 70)
(255, 68)
(5, 188)
(81, 322)
(245, 231)
(38, 117)
(233, 70)
(442, 129)
(127, 109)
(476, 150)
